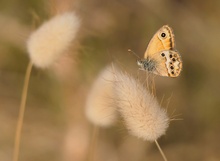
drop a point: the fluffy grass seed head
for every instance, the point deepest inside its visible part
(141, 112)
(52, 38)
(100, 105)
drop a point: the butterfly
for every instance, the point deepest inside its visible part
(161, 57)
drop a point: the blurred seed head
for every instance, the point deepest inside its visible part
(53, 38)
(76, 143)
(143, 116)
(100, 105)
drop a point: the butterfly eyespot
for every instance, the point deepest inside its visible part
(171, 56)
(173, 59)
(171, 63)
(172, 72)
(175, 55)
(163, 35)
(171, 67)
(162, 54)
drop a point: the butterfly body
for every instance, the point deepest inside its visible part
(146, 64)
(161, 57)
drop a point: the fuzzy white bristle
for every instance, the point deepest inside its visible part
(141, 112)
(100, 105)
(51, 39)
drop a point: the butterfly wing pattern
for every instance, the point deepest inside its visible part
(161, 57)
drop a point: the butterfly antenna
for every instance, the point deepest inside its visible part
(130, 51)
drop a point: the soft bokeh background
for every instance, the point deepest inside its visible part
(55, 127)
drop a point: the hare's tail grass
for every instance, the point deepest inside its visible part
(21, 112)
(161, 151)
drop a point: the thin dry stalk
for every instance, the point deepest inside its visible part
(93, 144)
(21, 112)
(161, 151)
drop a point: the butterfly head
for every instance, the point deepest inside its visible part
(140, 64)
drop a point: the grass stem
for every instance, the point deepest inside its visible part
(161, 151)
(21, 112)
(93, 144)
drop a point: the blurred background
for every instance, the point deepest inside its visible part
(55, 126)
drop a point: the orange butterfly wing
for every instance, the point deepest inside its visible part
(162, 40)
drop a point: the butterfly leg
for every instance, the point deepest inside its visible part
(138, 78)
(146, 82)
(153, 86)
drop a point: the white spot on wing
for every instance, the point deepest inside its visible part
(168, 60)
